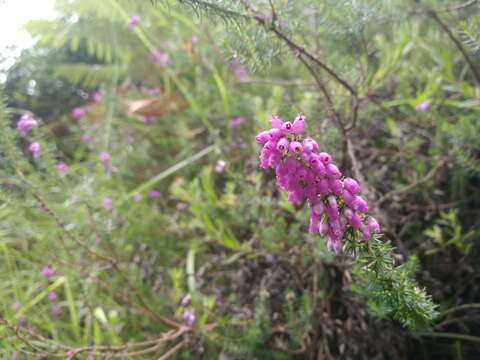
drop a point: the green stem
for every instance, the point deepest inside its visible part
(449, 335)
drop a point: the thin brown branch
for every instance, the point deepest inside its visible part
(271, 26)
(414, 184)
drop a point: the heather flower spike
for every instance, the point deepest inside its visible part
(336, 208)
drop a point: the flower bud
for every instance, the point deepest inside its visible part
(274, 134)
(310, 145)
(283, 145)
(325, 158)
(276, 122)
(352, 186)
(262, 137)
(332, 171)
(335, 186)
(372, 225)
(296, 147)
(360, 204)
(287, 127)
(298, 126)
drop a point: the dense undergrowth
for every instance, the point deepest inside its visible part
(141, 226)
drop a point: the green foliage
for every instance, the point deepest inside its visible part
(390, 289)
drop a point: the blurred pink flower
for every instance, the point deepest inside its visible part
(424, 106)
(25, 124)
(182, 206)
(153, 195)
(151, 91)
(104, 157)
(97, 96)
(62, 169)
(160, 58)
(35, 149)
(219, 166)
(239, 71)
(133, 22)
(148, 120)
(47, 272)
(108, 204)
(52, 296)
(236, 122)
(78, 113)
(86, 139)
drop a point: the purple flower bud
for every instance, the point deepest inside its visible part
(323, 228)
(148, 120)
(47, 272)
(160, 58)
(352, 186)
(154, 195)
(78, 113)
(35, 149)
(151, 91)
(185, 300)
(332, 171)
(274, 134)
(373, 225)
(332, 203)
(348, 198)
(283, 145)
(189, 317)
(295, 197)
(262, 138)
(296, 147)
(104, 157)
(298, 126)
(133, 21)
(239, 71)
(360, 204)
(85, 139)
(367, 234)
(310, 145)
(52, 296)
(276, 122)
(137, 197)
(423, 106)
(219, 167)
(323, 187)
(269, 146)
(182, 206)
(287, 127)
(318, 209)
(314, 223)
(97, 96)
(335, 186)
(348, 213)
(355, 221)
(236, 122)
(62, 169)
(325, 158)
(108, 204)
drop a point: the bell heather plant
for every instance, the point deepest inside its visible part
(339, 214)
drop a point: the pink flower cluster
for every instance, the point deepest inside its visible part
(25, 124)
(336, 207)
